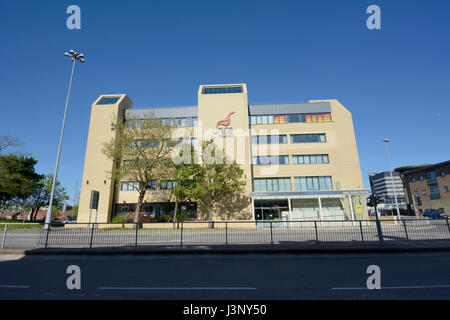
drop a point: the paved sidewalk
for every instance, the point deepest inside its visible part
(322, 247)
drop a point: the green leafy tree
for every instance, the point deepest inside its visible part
(40, 196)
(18, 178)
(211, 181)
(141, 152)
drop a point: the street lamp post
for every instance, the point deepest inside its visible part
(73, 57)
(392, 178)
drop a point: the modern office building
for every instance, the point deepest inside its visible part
(382, 187)
(300, 160)
(427, 186)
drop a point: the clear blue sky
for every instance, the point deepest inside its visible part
(395, 81)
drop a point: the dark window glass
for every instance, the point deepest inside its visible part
(111, 100)
(219, 90)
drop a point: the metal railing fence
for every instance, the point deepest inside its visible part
(192, 233)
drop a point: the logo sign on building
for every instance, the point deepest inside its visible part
(223, 128)
(359, 208)
(94, 199)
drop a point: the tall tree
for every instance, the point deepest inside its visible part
(40, 196)
(17, 177)
(141, 152)
(212, 180)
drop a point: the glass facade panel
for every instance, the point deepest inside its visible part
(312, 183)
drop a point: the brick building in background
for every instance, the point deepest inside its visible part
(427, 186)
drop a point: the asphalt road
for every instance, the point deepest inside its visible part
(232, 276)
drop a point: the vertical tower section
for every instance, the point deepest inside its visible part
(97, 166)
(223, 116)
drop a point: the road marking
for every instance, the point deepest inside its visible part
(14, 287)
(399, 287)
(176, 288)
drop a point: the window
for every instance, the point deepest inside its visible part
(416, 193)
(269, 139)
(313, 183)
(446, 188)
(110, 100)
(413, 179)
(307, 138)
(290, 118)
(168, 185)
(310, 159)
(272, 184)
(424, 192)
(442, 174)
(129, 186)
(421, 178)
(269, 160)
(220, 90)
(432, 183)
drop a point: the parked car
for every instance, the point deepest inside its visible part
(434, 214)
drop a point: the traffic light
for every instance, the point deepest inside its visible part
(373, 200)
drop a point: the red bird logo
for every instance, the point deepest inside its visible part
(225, 122)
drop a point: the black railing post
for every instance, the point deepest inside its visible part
(271, 233)
(226, 233)
(92, 235)
(181, 236)
(360, 229)
(379, 230)
(406, 230)
(317, 234)
(448, 226)
(136, 236)
(46, 237)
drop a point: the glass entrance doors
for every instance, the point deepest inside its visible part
(270, 209)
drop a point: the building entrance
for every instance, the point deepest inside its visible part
(270, 209)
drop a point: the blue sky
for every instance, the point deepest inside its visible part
(395, 81)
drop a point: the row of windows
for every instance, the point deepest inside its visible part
(268, 160)
(300, 184)
(310, 159)
(180, 122)
(154, 144)
(153, 185)
(174, 122)
(218, 90)
(296, 159)
(290, 118)
(421, 177)
(295, 138)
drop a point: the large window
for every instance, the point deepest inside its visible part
(269, 139)
(218, 90)
(272, 184)
(290, 118)
(307, 138)
(432, 183)
(110, 100)
(313, 183)
(310, 159)
(268, 160)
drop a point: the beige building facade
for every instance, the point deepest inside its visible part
(300, 160)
